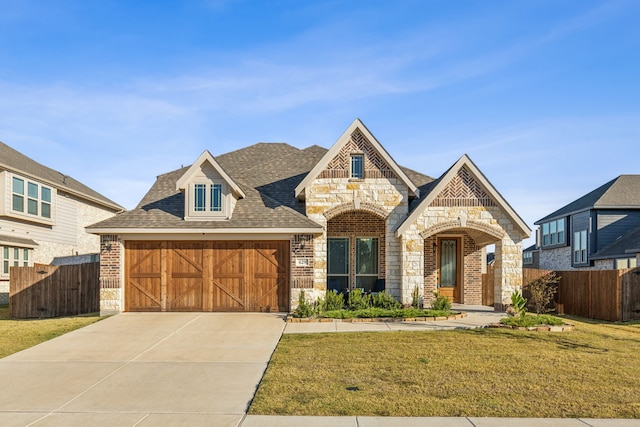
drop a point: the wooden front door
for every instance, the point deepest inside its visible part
(207, 276)
(450, 268)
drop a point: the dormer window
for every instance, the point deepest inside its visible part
(210, 194)
(207, 200)
(357, 166)
(216, 198)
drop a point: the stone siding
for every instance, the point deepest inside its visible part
(490, 222)
(327, 198)
(559, 259)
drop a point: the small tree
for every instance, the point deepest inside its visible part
(542, 292)
(415, 298)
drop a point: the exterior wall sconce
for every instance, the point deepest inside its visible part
(303, 241)
(435, 248)
(107, 243)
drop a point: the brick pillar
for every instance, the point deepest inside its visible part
(111, 289)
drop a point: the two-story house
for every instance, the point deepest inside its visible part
(43, 214)
(600, 230)
(248, 230)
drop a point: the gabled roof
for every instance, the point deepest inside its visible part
(206, 157)
(20, 164)
(626, 246)
(436, 187)
(622, 192)
(335, 149)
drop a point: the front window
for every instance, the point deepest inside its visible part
(338, 263)
(553, 233)
(357, 166)
(366, 262)
(580, 247)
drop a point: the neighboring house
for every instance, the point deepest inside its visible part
(43, 215)
(248, 230)
(531, 257)
(597, 231)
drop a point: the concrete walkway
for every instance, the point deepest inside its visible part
(478, 316)
(142, 369)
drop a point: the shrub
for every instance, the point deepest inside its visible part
(357, 300)
(385, 300)
(441, 302)
(333, 301)
(542, 292)
(415, 298)
(305, 309)
(519, 304)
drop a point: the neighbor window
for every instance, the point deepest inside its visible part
(624, 263)
(527, 257)
(553, 233)
(580, 247)
(357, 166)
(38, 198)
(13, 257)
(18, 195)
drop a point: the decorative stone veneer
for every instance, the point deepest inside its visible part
(486, 222)
(327, 198)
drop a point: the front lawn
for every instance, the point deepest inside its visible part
(17, 335)
(590, 372)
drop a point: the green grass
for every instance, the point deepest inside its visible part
(17, 335)
(590, 372)
(532, 320)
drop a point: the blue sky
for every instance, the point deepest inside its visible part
(542, 95)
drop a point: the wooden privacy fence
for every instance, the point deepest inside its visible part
(612, 295)
(52, 291)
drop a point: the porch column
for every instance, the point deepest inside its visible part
(508, 272)
(412, 266)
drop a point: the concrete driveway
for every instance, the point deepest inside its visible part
(142, 369)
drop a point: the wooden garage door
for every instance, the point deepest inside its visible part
(207, 276)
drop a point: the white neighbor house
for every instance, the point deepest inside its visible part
(43, 214)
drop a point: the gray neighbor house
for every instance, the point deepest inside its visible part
(598, 231)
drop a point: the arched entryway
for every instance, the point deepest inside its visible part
(454, 259)
(356, 251)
